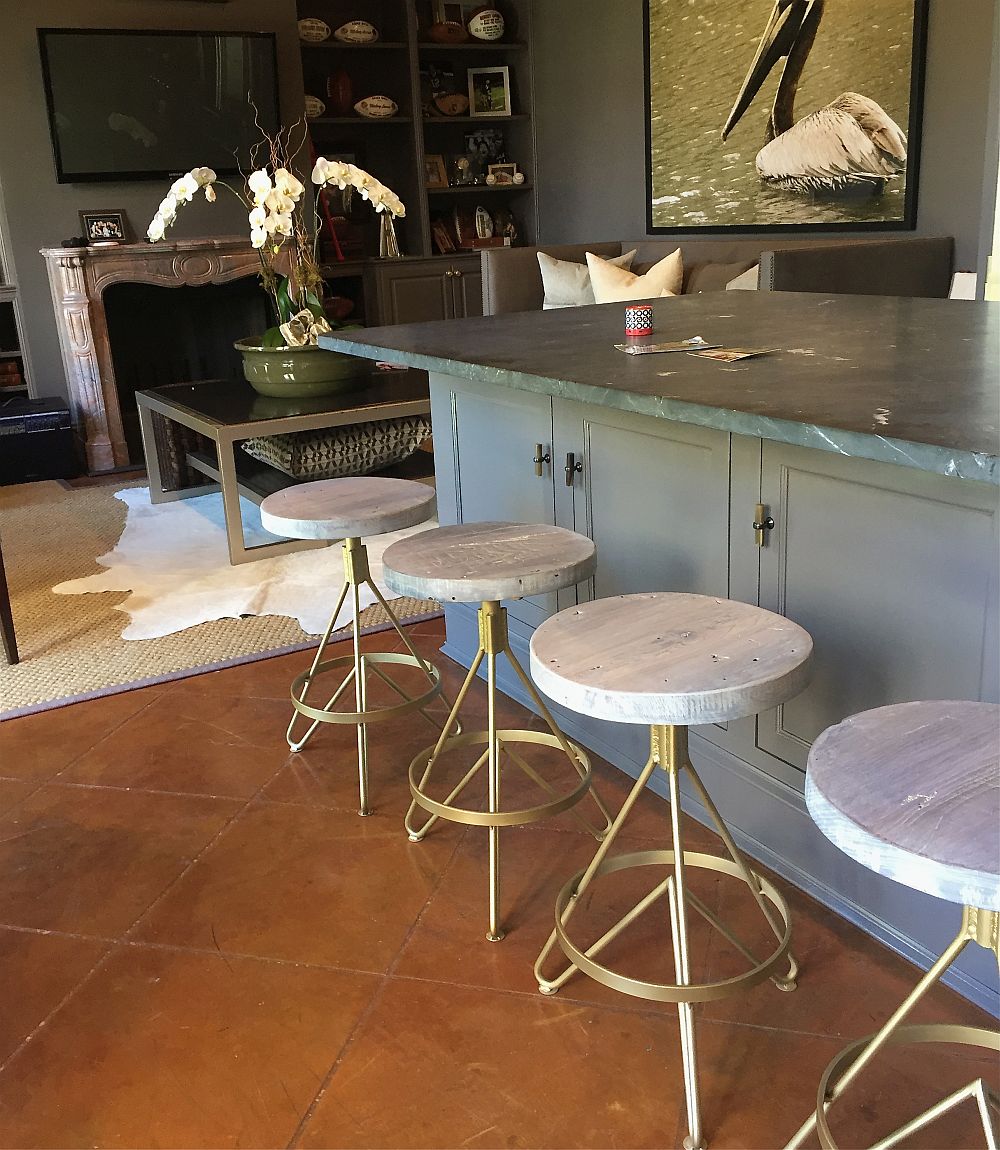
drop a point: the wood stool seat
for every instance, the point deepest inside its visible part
(669, 658)
(487, 562)
(347, 508)
(912, 791)
(350, 509)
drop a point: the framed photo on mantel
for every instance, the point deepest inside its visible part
(783, 115)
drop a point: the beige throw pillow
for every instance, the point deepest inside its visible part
(613, 284)
(567, 284)
(746, 281)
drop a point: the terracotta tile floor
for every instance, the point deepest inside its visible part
(202, 945)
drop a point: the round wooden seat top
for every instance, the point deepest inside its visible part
(347, 508)
(669, 658)
(486, 562)
(912, 791)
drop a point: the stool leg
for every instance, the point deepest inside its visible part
(977, 926)
(495, 933)
(297, 744)
(360, 699)
(752, 880)
(677, 894)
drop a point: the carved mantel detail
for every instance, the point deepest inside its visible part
(78, 278)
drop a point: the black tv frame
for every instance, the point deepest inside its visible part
(62, 177)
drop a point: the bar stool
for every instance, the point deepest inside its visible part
(485, 563)
(932, 823)
(667, 661)
(350, 509)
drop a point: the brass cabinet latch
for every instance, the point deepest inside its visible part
(573, 465)
(761, 523)
(540, 458)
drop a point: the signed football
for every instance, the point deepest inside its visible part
(312, 30)
(314, 107)
(376, 107)
(486, 24)
(356, 32)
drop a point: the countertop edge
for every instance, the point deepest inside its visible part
(954, 464)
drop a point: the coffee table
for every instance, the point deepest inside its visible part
(228, 411)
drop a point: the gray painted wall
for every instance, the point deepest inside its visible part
(40, 212)
(590, 103)
(588, 118)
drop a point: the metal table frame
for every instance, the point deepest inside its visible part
(226, 435)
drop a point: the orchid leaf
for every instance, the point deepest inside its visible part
(314, 305)
(273, 338)
(286, 305)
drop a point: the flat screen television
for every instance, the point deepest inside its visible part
(136, 105)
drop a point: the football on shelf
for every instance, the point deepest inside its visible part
(356, 32)
(376, 107)
(314, 107)
(486, 24)
(447, 32)
(313, 31)
(452, 104)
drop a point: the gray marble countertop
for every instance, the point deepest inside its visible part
(901, 380)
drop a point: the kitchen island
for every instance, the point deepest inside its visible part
(848, 480)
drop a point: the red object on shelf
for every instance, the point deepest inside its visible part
(340, 93)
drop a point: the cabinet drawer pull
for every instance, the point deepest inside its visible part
(540, 458)
(572, 466)
(762, 522)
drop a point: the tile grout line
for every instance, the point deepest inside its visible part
(375, 999)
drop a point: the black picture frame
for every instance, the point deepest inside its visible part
(809, 212)
(105, 226)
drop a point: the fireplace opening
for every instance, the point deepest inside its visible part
(162, 335)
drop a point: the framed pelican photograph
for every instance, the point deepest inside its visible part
(783, 115)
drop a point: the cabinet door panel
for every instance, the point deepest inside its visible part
(893, 573)
(412, 296)
(654, 497)
(494, 437)
(468, 288)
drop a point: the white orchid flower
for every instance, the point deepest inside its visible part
(168, 210)
(184, 188)
(338, 173)
(278, 202)
(278, 223)
(204, 176)
(321, 170)
(210, 193)
(257, 217)
(157, 227)
(259, 183)
(258, 237)
(287, 184)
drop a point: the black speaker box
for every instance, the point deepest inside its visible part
(36, 440)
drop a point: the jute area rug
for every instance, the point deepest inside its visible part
(71, 645)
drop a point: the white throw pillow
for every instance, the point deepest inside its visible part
(613, 284)
(746, 281)
(567, 284)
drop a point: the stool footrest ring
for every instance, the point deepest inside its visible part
(376, 714)
(509, 818)
(657, 991)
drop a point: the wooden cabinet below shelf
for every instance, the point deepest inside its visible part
(414, 291)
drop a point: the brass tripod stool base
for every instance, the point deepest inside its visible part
(359, 666)
(980, 926)
(668, 751)
(499, 748)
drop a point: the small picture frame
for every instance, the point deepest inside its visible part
(503, 174)
(435, 172)
(105, 226)
(489, 92)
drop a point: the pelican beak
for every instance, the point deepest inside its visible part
(783, 27)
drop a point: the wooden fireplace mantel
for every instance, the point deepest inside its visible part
(78, 278)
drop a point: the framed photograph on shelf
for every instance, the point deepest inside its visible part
(503, 174)
(443, 240)
(810, 120)
(108, 226)
(489, 91)
(435, 173)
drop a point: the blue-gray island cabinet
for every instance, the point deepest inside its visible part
(869, 438)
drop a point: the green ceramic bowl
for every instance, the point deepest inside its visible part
(298, 372)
